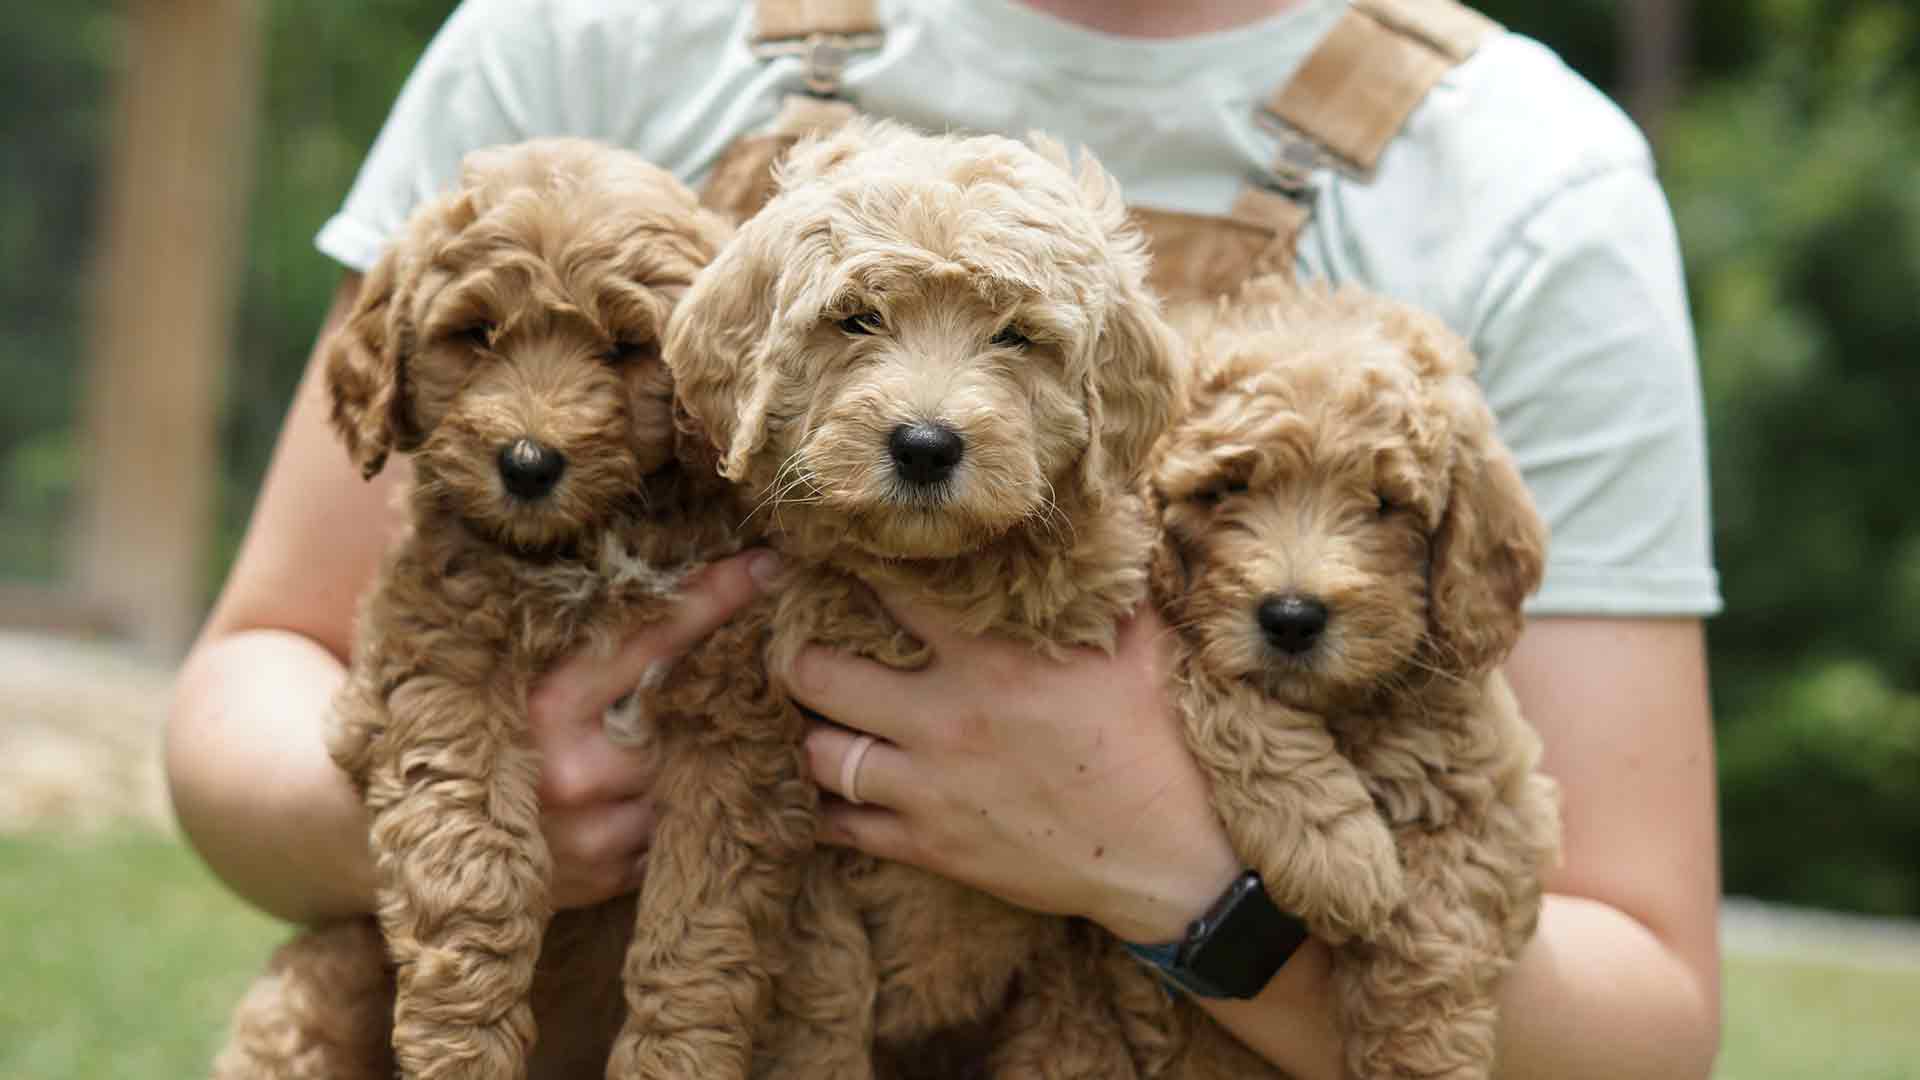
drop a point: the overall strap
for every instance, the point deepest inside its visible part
(823, 33)
(1354, 93)
(1346, 102)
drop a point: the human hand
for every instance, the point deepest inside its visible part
(595, 807)
(1064, 787)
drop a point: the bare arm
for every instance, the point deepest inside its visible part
(251, 780)
(252, 783)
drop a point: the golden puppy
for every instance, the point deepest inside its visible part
(510, 342)
(1347, 546)
(932, 363)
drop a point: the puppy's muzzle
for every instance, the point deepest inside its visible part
(530, 469)
(1292, 624)
(925, 454)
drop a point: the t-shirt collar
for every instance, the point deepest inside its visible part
(1071, 49)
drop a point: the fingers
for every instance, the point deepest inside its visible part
(859, 768)
(582, 767)
(598, 849)
(582, 686)
(706, 601)
(875, 831)
(860, 694)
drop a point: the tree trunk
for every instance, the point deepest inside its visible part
(175, 204)
(1655, 44)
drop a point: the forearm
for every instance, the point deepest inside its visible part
(252, 784)
(1595, 996)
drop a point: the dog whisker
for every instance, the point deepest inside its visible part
(791, 474)
(1437, 672)
(1054, 518)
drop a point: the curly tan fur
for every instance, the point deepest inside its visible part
(983, 286)
(526, 305)
(1374, 769)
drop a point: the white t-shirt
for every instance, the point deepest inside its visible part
(1518, 204)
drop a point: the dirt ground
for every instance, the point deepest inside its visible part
(79, 735)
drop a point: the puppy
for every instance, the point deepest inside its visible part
(932, 364)
(510, 342)
(1347, 546)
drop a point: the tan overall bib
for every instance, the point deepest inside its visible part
(1347, 101)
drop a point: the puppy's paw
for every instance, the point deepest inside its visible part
(1345, 882)
(1369, 884)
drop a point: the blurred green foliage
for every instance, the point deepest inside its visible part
(54, 112)
(1793, 164)
(1797, 190)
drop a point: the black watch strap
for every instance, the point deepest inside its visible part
(1234, 949)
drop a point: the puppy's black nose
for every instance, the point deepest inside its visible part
(530, 469)
(925, 454)
(1292, 623)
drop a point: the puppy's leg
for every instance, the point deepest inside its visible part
(1157, 1025)
(823, 1001)
(1419, 1000)
(1212, 1053)
(738, 819)
(1061, 1024)
(927, 985)
(465, 871)
(322, 1011)
(1296, 810)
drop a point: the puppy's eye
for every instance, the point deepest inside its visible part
(863, 324)
(1010, 338)
(1210, 496)
(626, 352)
(479, 335)
(1385, 506)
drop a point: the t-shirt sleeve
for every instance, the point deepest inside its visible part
(1588, 360)
(477, 84)
(498, 71)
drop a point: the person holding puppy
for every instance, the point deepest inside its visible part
(1512, 201)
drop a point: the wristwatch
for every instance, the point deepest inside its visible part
(1234, 949)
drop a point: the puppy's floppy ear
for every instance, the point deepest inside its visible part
(1133, 388)
(752, 303)
(716, 345)
(368, 354)
(1138, 374)
(365, 372)
(1489, 551)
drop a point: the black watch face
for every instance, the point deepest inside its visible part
(1251, 940)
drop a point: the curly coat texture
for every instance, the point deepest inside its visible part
(510, 342)
(1347, 546)
(896, 282)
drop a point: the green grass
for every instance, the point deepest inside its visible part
(1819, 1022)
(120, 956)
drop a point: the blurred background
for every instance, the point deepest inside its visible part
(164, 166)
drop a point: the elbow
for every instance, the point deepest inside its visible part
(1693, 1004)
(190, 762)
(1702, 1025)
(252, 789)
